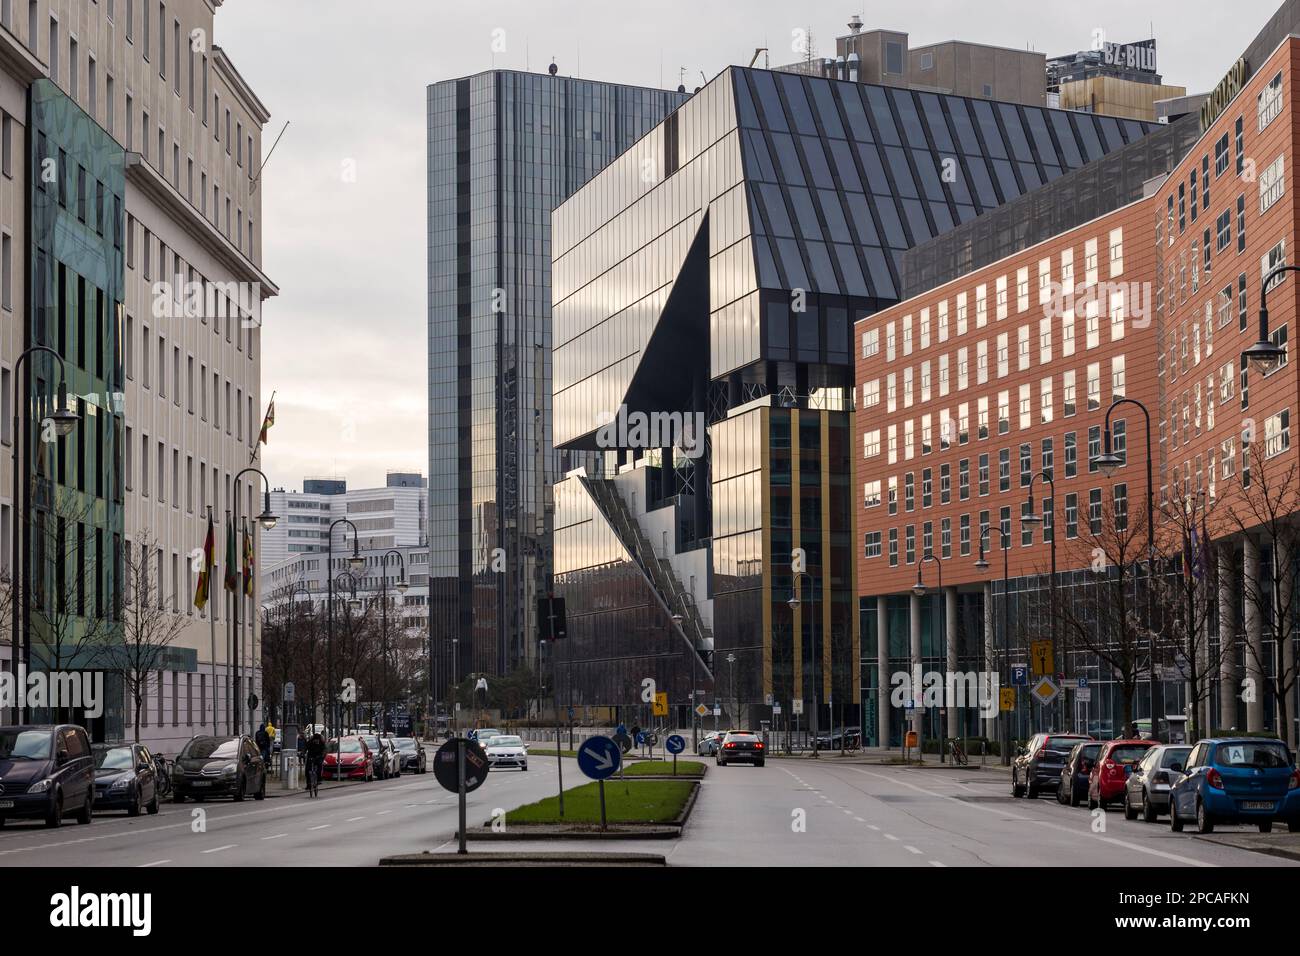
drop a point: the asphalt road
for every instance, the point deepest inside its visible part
(832, 813)
(353, 825)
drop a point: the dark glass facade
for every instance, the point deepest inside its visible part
(73, 485)
(504, 148)
(717, 268)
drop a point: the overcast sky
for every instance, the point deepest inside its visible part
(344, 345)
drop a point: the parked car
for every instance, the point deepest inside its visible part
(385, 756)
(709, 743)
(1038, 764)
(219, 766)
(1109, 775)
(837, 740)
(740, 746)
(125, 779)
(1073, 786)
(1173, 729)
(348, 758)
(46, 772)
(1248, 780)
(410, 754)
(507, 750)
(1148, 786)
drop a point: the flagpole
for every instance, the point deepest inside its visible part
(231, 691)
(241, 535)
(212, 625)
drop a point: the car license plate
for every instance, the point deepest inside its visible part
(6, 804)
(202, 783)
(1258, 804)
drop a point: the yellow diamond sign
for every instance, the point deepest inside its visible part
(1045, 690)
(701, 710)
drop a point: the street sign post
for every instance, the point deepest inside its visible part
(600, 758)
(622, 741)
(461, 766)
(702, 710)
(1008, 698)
(1040, 654)
(675, 744)
(1045, 690)
(1019, 676)
(660, 708)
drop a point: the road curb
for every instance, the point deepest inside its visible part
(525, 859)
(1254, 845)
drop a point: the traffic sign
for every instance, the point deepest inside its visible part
(289, 690)
(1069, 683)
(623, 741)
(640, 740)
(1020, 676)
(776, 710)
(445, 763)
(252, 702)
(660, 708)
(717, 711)
(1040, 655)
(702, 710)
(1083, 695)
(796, 706)
(1083, 682)
(599, 757)
(1008, 698)
(675, 744)
(767, 699)
(1045, 690)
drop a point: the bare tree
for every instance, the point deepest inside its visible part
(1266, 505)
(151, 624)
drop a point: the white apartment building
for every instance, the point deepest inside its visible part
(191, 289)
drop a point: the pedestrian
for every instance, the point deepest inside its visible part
(263, 741)
(302, 748)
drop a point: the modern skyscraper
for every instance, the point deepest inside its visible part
(504, 149)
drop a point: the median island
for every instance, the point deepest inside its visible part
(637, 801)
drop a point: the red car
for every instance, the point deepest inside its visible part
(357, 760)
(1109, 776)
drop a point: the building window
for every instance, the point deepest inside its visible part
(984, 475)
(1072, 515)
(871, 544)
(1268, 105)
(1071, 455)
(1277, 433)
(1271, 184)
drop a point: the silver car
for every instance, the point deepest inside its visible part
(507, 750)
(1147, 789)
(709, 743)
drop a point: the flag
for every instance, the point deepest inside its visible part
(248, 563)
(205, 573)
(268, 421)
(232, 563)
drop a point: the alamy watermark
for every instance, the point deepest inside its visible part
(207, 300)
(647, 430)
(960, 689)
(53, 690)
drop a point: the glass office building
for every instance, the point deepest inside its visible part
(714, 271)
(504, 149)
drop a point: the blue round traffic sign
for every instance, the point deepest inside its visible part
(675, 744)
(599, 758)
(640, 739)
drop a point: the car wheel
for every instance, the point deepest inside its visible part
(1293, 826)
(1031, 791)
(758, 764)
(1016, 789)
(2, 823)
(1074, 796)
(178, 797)
(1129, 812)
(134, 809)
(1175, 824)
(1149, 812)
(1060, 793)
(239, 791)
(87, 811)
(1204, 822)
(152, 806)
(55, 817)
(1266, 826)
(1092, 804)
(261, 791)
(524, 768)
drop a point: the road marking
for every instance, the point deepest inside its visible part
(937, 863)
(912, 849)
(321, 827)
(275, 836)
(1126, 844)
(873, 827)
(860, 820)
(382, 812)
(890, 836)
(154, 863)
(218, 849)
(354, 819)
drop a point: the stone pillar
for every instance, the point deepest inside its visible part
(990, 723)
(1284, 609)
(950, 642)
(1228, 650)
(1250, 572)
(914, 660)
(882, 664)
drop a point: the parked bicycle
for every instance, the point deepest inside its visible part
(957, 753)
(162, 776)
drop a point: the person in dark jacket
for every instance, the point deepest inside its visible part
(263, 741)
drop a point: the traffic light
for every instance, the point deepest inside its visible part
(551, 624)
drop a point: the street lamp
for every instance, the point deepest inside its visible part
(1031, 518)
(64, 420)
(383, 602)
(983, 565)
(356, 562)
(1265, 356)
(267, 520)
(794, 602)
(1107, 464)
(920, 591)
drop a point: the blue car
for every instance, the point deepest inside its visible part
(1249, 780)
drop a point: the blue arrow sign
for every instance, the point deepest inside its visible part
(675, 744)
(599, 758)
(1020, 676)
(640, 739)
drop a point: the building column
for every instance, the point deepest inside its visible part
(1283, 608)
(990, 723)
(914, 660)
(1228, 679)
(882, 666)
(950, 641)
(1254, 634)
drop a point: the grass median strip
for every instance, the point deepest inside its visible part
(540, 752)
(640, 801)
(663, 768)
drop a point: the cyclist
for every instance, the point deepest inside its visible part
(315, 759)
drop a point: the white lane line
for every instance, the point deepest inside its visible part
(275, 836)
(912, 849)
(937, 863)
(354, 819)
(873, 827)
(218, 849)
(859, 819)
(154, 863)
(382, 812)
(890, 836)
(1126, 844)
(321, 827)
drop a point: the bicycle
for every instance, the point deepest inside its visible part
(162, 776)
(958, 755)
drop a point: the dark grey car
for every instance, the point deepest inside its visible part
(47, 772)
(1039, 763)
(1147, 790)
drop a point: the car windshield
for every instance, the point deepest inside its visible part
(371, 742)
(1268, 755)
(349, 745)
(115, 758)
(405, 743)
(1062, 744)
(742, 737)
(205, 748)
(1174, 755)
(1129, 753)
(1089, 751)
(25, 744)
(487, 734)
(502, 741)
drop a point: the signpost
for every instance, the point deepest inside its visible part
(600, 758)
(1040, 654)
(675, 744)
(1020, 676)
(461, 766)
(1045, 690)
(1008, 698)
